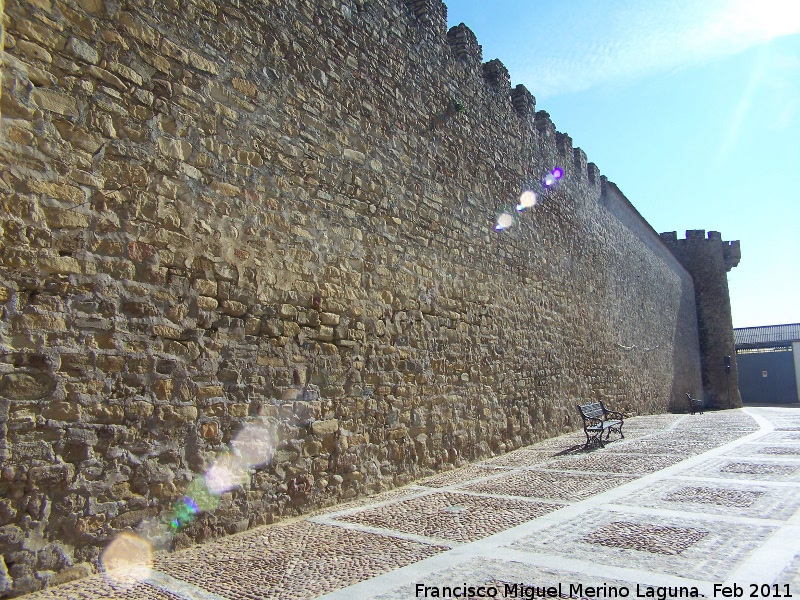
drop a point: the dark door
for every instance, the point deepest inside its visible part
(767, 377)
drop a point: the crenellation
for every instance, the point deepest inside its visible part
(496, 74)
(579, 161)
(594, 173)
(523, 101)
(544, 125)
(465, 46)
(732, 253)
(563, 144)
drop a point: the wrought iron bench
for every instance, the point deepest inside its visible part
(695, 404)
(597, 419)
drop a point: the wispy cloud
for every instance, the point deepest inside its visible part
(586, 43)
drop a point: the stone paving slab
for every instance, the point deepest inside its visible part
(783, 451)
(779, 437)
(451, 516)
(464, 474)
(294, 561)
(666, 445)
(617, 463)
(746, 468)
(569, 487)
(100, 586)
(511, 580)
(719, 498)
(678, 546)
(525, 457)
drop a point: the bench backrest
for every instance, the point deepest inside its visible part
(594, 410)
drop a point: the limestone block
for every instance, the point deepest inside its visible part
(179, 149)
(206, 287)
(244, 86)
(233, 308)
(209, 430)
(60, 218)
(140, 409)
(182, 414)
(27, 386)
(162, 388)
(55, 102)
(63, 411)
(64, 265)
(107, 413)
(239, 410)
(325, 427)
(34, 51)
(166, 331)
(208, 392)
(207, 303)
(80, 49)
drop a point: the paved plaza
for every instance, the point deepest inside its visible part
(683, 504)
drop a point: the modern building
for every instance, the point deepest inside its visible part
(769, 363)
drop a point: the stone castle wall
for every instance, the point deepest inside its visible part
(215, 214)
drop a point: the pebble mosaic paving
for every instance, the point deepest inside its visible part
(551, 485)
(787, 451)
(461, 475)
(699, 556)
(102, 587)
(615, 463)
(781, 437)
(671, 445)
(293, 561)
(304, 559)
(754, 469)
(524, 457)
(451, 516)
(500, 574)
(646, 537)
(781, 450)
(722, 498)
(716, 496)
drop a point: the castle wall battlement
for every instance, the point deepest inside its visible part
(281, 215)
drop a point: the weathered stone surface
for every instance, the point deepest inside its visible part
(202, 236)
(27, 386)
(55, 102)
(325, 427)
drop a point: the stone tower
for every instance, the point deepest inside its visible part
(709, 259)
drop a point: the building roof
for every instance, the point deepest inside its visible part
(767, 335)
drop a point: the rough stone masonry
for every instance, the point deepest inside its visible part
(281, 212)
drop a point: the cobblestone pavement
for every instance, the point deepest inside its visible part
(684, 502)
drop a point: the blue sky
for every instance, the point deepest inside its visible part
(692, 109)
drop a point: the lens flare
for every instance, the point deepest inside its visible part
(557, 173)
(226, 473)
(254, 444)
(527, 199)
(183, 512)
(204, 499)
(504, 221)
(549, 180)
(155, 532)
(128, 559)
